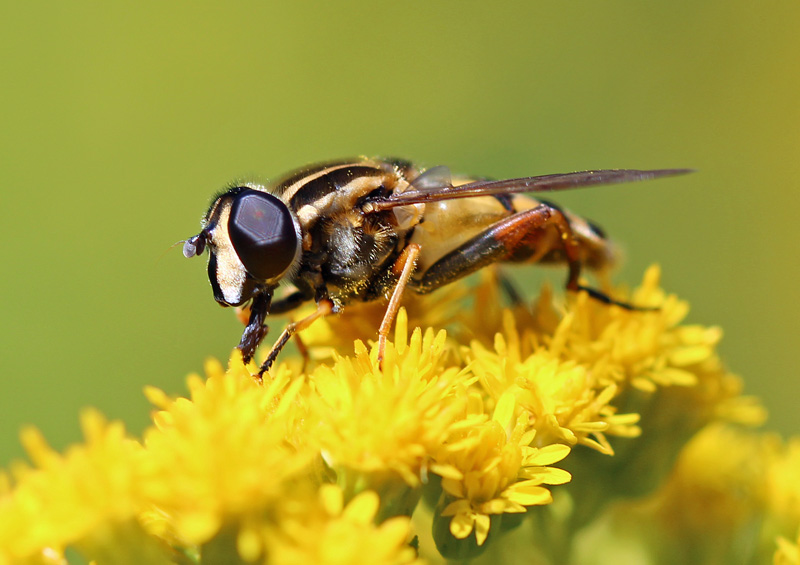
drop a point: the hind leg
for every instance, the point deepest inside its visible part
(529, 234)
(510, 236)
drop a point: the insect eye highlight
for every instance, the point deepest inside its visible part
(262, 233)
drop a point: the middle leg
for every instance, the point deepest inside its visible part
(403, 268)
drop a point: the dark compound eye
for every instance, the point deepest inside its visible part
(262, 233)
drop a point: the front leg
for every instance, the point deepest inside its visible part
(324, 307)
(256, 328)
(280, 306)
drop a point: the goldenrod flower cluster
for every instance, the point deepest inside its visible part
(545, 433)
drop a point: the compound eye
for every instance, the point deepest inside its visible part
(262, 234)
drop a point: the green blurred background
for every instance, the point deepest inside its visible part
(120, 121)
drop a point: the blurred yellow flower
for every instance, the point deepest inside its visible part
(718, 483)
(90, 498)
(783, 484)
(788, 552)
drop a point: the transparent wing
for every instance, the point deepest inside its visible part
(432, 179)
(438, 187)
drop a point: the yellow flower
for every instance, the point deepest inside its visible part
(563, 400)
(378, 426)
(461, 428)
(323, 530)
(360, 322)
(218, 462)
(643, 349)
(491, 468)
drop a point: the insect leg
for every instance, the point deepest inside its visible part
(289, 303)
(256, 328)
(402, 268)
(572, 251)
(519, 235)
(281, 306)
(324, 307)
(495, 244)
(508, 286)
(303, 350)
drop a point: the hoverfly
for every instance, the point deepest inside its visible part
(368, 229)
